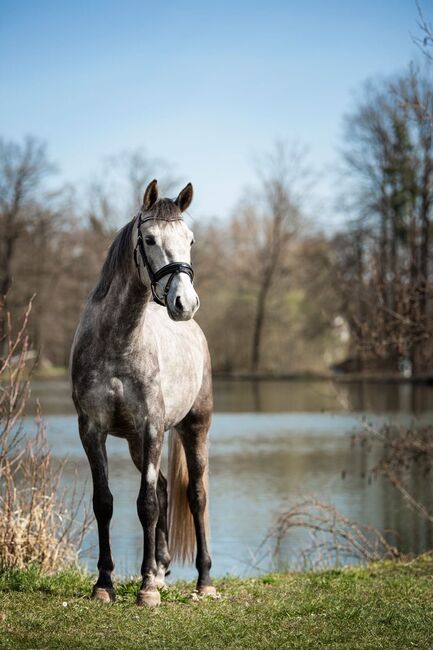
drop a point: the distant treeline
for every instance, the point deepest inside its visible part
(277, 293)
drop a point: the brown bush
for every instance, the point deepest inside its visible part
(38, 521)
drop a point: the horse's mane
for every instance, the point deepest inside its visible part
(119, 254)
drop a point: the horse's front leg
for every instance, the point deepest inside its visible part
(148, 510)
(162, 554)
(93, 440)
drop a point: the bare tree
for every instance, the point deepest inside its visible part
(22, 168)
(247, 268)
(425, 41)
(384, 269)
(264, 228)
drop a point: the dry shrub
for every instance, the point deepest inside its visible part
(38, 521)
(334, 539)
(406, 453)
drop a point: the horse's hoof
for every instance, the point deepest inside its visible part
(208, 591)
(149, 597)
(103, 595)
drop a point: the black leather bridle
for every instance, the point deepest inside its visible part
(172, 269)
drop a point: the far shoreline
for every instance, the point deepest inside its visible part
(58, 372)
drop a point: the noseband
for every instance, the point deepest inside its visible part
(172, 269)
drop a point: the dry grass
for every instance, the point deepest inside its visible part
(38, 522)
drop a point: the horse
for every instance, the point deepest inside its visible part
(140, 366)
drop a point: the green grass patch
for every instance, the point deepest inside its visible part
(386, 605)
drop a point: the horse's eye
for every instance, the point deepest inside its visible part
(150, 240)
(192, 241)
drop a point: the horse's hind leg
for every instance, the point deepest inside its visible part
(93, 441)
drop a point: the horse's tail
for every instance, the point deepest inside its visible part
(181, 531)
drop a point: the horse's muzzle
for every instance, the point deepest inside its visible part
(182, 299)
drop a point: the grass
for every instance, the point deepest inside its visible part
(387, 605)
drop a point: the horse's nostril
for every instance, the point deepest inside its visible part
(178, 304)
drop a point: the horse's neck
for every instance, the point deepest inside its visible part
(124, 308)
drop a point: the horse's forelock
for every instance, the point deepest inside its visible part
(165, 210)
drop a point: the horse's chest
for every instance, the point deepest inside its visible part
(121, 391)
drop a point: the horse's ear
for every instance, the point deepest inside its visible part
(184, 199)
(151, 195)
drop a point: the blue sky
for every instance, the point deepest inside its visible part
(204, 85)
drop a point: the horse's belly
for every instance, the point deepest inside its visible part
(180, 386)
(177, 406)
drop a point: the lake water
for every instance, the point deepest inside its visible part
(270, 441)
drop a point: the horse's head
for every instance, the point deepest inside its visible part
(163, 251)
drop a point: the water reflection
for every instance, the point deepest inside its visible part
(274, 396)
(269, 441)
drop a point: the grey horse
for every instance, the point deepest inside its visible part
(141, 367)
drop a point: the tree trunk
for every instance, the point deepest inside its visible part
(259, 321)
(413, 297)
(5, 284)
(361, 316)
(423, 271)
(425, 238)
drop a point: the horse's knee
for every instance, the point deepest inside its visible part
(147, 505)
(103, 506)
